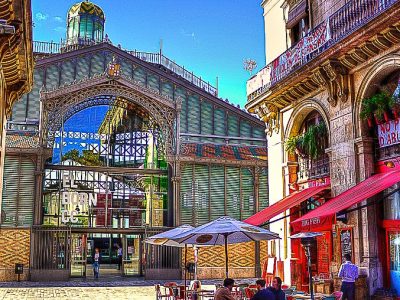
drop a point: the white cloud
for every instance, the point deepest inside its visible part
(60, 29)
(188, 34)
(58, 19)
(41, 16)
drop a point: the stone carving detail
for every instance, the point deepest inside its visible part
(269, 113)
(334, 77)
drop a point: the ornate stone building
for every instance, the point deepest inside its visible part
(114, 145)
(16, 77)
(330, 67)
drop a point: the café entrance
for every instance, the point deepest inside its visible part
(83, 248)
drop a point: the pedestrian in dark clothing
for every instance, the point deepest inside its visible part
(263, 293)
(276, 289)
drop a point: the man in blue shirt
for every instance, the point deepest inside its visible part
(349, 273)
(263, 293)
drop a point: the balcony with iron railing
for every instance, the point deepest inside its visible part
(311, 169)
(50, 48)
(341, 24)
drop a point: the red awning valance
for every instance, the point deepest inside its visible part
(286, 203)
(324, 216)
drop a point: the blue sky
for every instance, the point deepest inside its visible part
(209, 37)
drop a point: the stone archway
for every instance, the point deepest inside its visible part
(297, 119)
(299, 114)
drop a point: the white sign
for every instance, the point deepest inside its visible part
(71, 199)
(389, 133)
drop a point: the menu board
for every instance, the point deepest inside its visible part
(323, 246)
(346, 242)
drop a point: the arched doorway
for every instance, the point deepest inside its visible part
(106, 179)
(308, 166)
(377, 114)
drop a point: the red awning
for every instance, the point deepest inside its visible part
(324, 216)
(284, 204)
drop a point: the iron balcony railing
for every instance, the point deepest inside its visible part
(155, 58)
(350, 17)
(313, 168)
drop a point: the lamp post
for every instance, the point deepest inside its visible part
(307, 244)
(307, 241)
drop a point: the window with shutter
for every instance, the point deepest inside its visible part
(247, 193)
(233, 206)
(245, 129)
(18, 191)
(139, 75)
(186, 194)
(152, 82)
(201, 182)
(217, 192)
(206, 120)
(219, 124)
(194, 116)
(263, 189)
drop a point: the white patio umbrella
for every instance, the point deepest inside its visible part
(165, 239)
(224, 231)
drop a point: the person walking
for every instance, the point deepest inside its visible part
(119, 254)
(262, 292)
(225, 292)
(276, 289)
(348, 273)
(96, 263)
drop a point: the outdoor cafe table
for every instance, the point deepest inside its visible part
(202, 294)
(302, 296)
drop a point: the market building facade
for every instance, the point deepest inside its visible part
(16, 77)
(329, 95)
(112, 146)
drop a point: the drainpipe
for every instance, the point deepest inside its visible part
(310, 18)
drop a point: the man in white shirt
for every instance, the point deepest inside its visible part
(349, 273)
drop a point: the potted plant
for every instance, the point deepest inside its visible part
(313, 140)
(396, 107)
(310, 143)
(294, 145)
(367, 110)
(383, 102)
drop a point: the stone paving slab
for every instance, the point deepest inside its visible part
(89, 293)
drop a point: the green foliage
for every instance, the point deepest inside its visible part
(311, 143)
(293, 143)
(88, 157)
(376, 105)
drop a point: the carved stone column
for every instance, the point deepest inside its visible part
(367, 218)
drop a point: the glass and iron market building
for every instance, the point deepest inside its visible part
(111, 146)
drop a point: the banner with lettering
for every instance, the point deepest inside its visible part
(294, 56)
(389, 133)
(314, 224)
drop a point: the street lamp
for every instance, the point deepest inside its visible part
(307, 241)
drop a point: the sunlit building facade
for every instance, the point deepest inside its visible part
(328, 95)
(112, 146)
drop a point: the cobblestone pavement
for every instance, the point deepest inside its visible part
(105, 288)
(67, 293)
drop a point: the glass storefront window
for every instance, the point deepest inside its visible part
(392, 204)
(394, 254)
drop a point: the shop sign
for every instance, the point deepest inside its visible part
(389, 133)
(70, 199)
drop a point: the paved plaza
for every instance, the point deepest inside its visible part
(118, 293)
